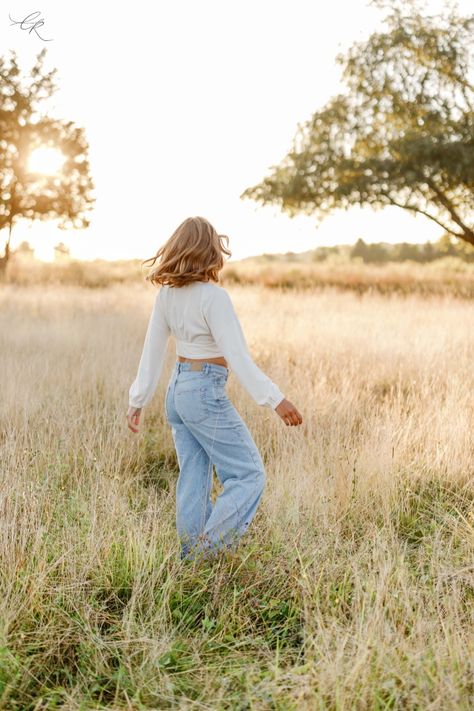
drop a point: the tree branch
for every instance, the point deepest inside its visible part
(446, 202)
(422, 212)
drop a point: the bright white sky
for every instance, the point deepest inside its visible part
(188, 102)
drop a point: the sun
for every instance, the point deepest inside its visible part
(46, 160)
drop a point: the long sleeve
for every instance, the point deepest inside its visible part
(227, 332)
(152, 358)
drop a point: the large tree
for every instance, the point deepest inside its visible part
(401, 134)
(64, 195)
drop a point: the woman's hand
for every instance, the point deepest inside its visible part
(288, 413)
(133, 418)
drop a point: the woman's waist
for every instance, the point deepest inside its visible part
(217, 360)
(198, 349)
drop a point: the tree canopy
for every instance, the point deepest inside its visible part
(402, 134)
(66, 194)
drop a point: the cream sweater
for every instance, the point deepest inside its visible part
(202, 319)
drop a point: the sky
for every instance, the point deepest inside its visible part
(185, 104)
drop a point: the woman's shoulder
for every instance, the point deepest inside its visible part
(211, 291)
(215, 292)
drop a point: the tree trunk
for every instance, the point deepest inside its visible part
(4, 260)
(467, 233)
(467, 237)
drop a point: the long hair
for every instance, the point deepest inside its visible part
(194, 252)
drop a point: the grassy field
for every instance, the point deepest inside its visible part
(447, 276)
(354, 588)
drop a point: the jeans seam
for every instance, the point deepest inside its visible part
(167, 395)
(249, 448)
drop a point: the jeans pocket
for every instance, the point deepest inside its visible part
(218, 387)
(191, 404)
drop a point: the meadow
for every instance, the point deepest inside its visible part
(354, 588)
(446, 276)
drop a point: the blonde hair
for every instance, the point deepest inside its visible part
(194, 252)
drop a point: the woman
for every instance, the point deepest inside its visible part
(207, 429)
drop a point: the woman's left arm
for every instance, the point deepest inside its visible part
(152, 358)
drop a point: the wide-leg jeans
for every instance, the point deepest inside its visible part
(208, 430)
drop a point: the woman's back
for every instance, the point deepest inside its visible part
(185, 310)
(202, 319)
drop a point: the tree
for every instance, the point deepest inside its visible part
(404, 250)
(65, 194)
(359, 250)
(25, 249)
(376, 252)
(428, 252)
(402, 134)
(61, 252)
(446, 246)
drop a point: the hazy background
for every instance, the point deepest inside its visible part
(186, 104)
(355, 587)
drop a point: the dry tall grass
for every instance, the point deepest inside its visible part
(442, 277)
(448, 276)
(355, 586)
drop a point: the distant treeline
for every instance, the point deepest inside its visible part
(379, 252)
(401, 251)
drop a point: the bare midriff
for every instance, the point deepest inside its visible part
(218, 360)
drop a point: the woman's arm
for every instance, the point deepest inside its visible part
(227, 332)
(152, 358)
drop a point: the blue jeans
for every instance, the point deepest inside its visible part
(207, 430)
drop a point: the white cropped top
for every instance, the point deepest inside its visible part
(202, 319)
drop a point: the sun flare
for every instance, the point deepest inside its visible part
(46, 160)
